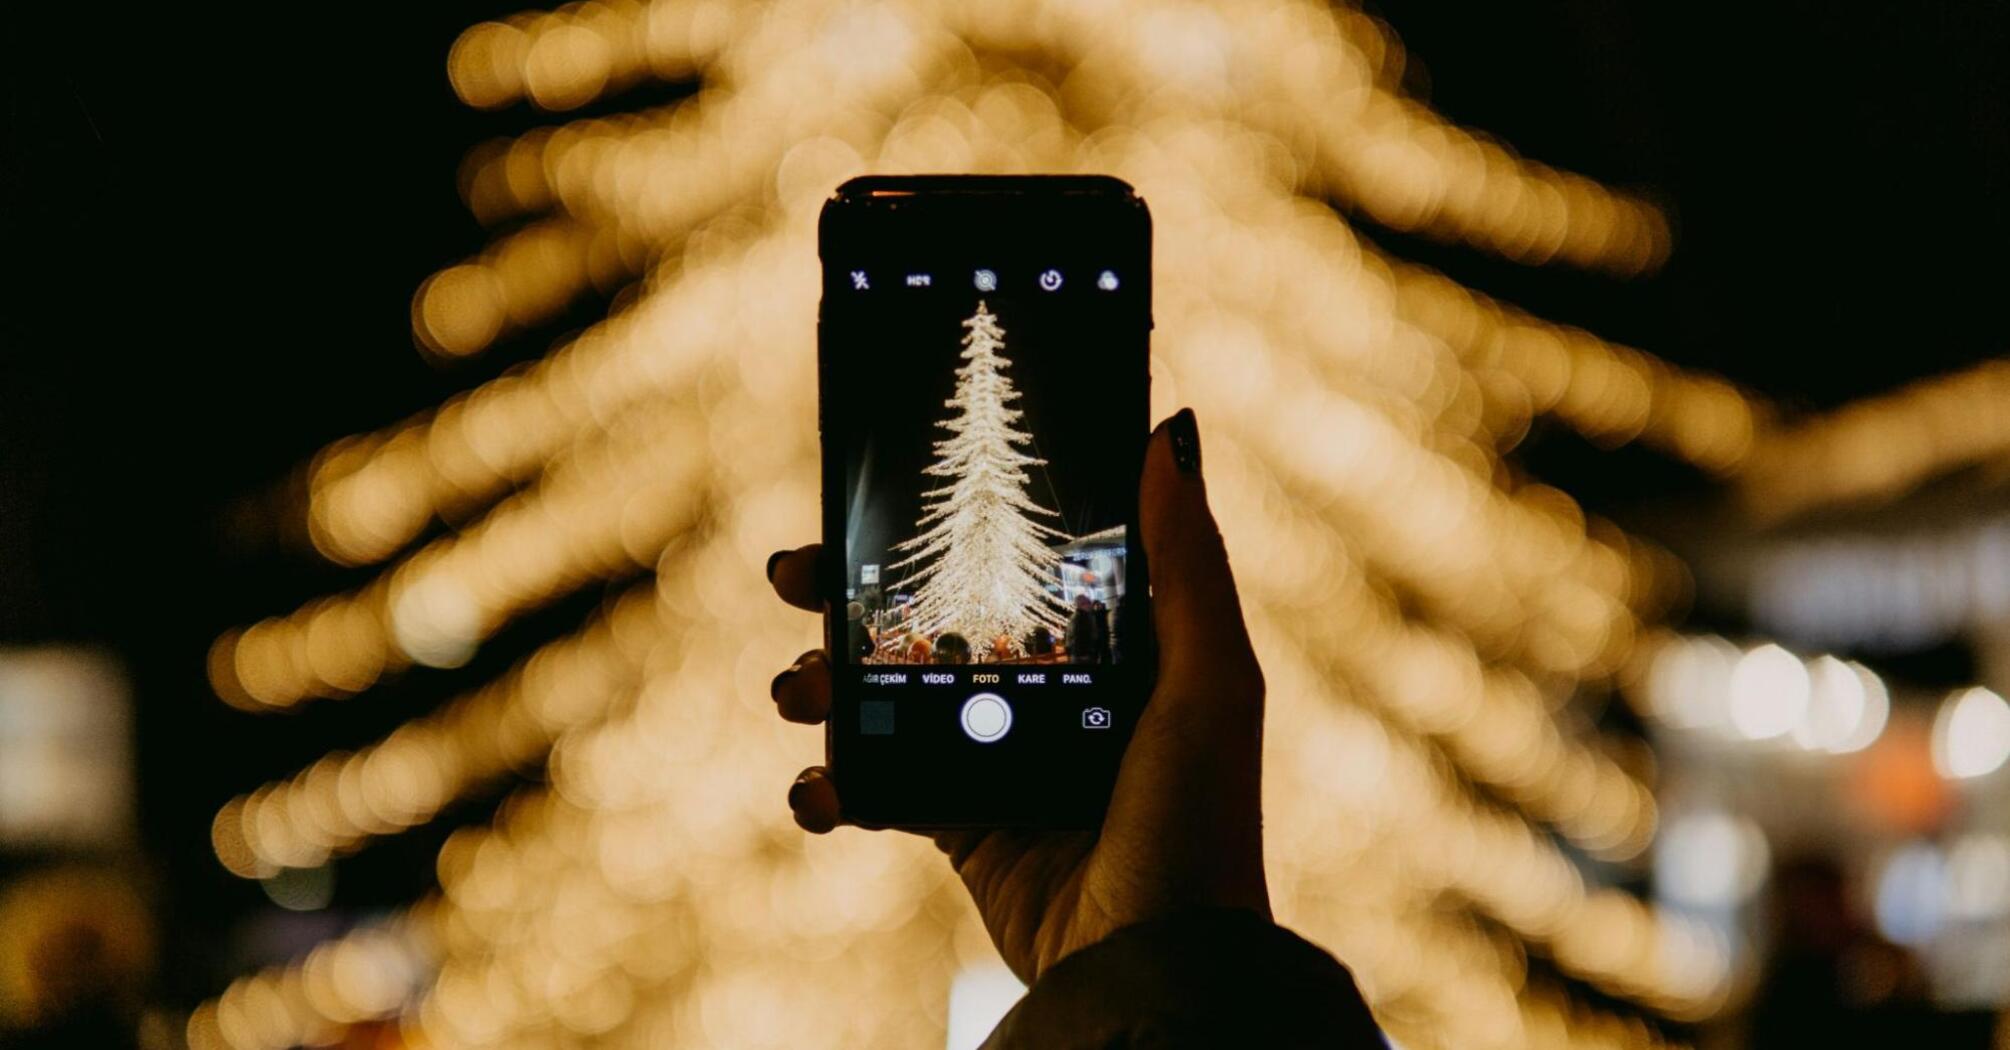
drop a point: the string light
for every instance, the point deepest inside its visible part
(580, 522)
(407, 778)
(1427, 682)
(1880, 447)
(566, 58)
(375, 494)
(366, 974)
(524, 279)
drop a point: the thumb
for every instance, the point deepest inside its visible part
(1186, 815)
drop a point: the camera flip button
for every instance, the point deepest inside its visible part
(987, 718)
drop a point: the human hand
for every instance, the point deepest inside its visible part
(1184, 826)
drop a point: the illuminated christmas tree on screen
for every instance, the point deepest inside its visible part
(982, 558)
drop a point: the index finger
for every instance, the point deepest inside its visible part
(794, 576)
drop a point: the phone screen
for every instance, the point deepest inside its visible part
(984, 399)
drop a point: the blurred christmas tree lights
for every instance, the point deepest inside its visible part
(1426, 614)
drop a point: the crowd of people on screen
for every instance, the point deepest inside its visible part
(887, 637)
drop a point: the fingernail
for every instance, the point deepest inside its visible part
(772, 560)
(796, 790)
(775, 686)
(1185, 434)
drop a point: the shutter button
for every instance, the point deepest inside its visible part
(987, 718)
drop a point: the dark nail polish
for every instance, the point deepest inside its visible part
(796, 791)
(1185, 434)
(773, 560)
(775, 685)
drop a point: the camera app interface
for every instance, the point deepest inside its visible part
(988, 415)
(985, 525)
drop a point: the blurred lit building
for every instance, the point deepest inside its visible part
(1094, 565)
(76, 940)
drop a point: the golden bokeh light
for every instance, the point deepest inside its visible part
(1881, 447)
(1429, 619)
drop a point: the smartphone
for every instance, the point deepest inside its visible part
(984, 391)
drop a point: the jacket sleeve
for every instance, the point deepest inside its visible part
(1208, 978)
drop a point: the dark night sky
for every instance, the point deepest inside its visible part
(218, 212)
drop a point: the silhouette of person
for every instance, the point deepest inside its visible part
(1082, 631)
(857, 638)
(951, 648)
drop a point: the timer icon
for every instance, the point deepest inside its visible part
(1050, 279)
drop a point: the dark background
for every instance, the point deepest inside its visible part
(216, 215)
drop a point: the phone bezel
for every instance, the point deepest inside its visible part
(1072, 792)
